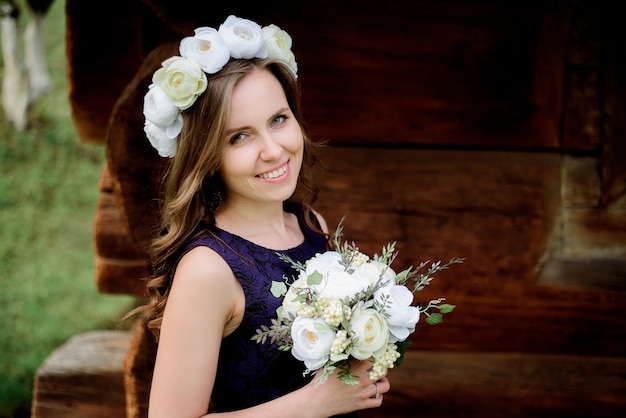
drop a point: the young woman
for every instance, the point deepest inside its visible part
(239, 190)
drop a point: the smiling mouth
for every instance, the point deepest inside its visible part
(275, 173)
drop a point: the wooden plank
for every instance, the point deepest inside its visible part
(497, 315)
(83, 378)
(436, 384)
(588, 273)
(594, 233)
(113, 238)
(138, 369)
(95, 77)
(120, 266)
(590, 228)
(105, 182)
(439, 204)
(581, 182)
(582, 118)
(117, 276)
(614, 107)
(432, 73)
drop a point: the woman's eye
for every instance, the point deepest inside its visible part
(237, 138)
(279, 119)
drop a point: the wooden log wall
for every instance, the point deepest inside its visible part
(471, 129)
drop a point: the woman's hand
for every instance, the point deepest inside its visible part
(335, 397)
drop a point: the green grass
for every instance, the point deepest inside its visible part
(48, 196)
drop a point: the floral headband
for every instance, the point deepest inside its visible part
(181, 79)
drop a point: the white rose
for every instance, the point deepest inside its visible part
(339, 285)
(207, 48)
(369, 332)
(312, 340)
(335, 282)
(401, 316)
(324, 263)
(182, 80)
(386, 272)
(367, 275)
(278, 44)
(163, 139)
(290, 305)
(372, 271)
(158, 108)
(243, 37)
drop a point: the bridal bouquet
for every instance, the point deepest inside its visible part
(346, 305)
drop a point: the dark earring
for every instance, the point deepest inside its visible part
(211, 195)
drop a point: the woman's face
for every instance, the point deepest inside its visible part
(264, 143)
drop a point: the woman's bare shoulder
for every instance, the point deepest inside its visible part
(202, 259)
(204, 280)
(203, 270)
(321, 220)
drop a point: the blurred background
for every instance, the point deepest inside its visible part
(48, 194)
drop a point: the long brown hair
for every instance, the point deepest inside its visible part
(197, 160)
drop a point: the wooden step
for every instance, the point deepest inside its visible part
(83, 378)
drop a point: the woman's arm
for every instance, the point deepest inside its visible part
(205, 303)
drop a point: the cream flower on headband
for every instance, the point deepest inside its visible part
(278, 44)
(243, 37)
(181, 79)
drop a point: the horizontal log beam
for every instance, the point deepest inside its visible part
(436, 384)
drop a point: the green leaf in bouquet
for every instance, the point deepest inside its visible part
(278, 289)
(388, 254)
(302, 297)
(402, 277)
(446, 308)
(434, 318)
(314, 278)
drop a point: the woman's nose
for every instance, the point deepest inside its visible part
(271, 148)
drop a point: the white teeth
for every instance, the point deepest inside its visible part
(273, 174)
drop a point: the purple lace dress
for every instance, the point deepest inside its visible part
(250, 373)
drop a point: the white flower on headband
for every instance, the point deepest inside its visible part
(163, 121)
(160, 140)
(243, 37)
(181, 79)
(207, 48)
